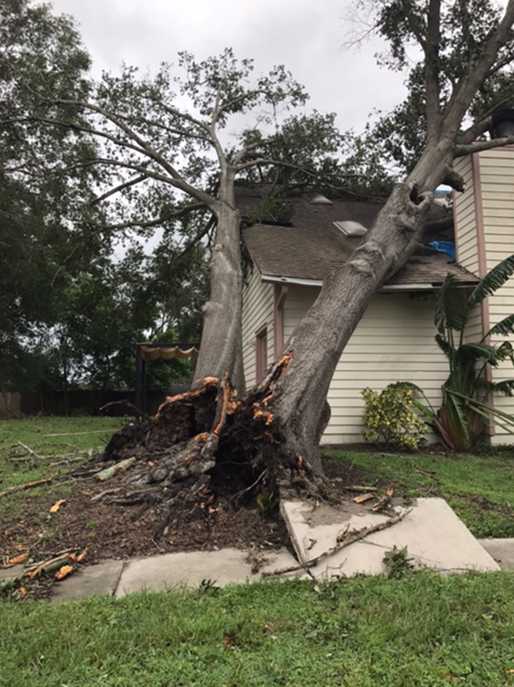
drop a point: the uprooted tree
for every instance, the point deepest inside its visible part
(268, 440)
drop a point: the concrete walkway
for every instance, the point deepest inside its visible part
(435, 538)
(159, 573)
(502, 550)
(433, 534)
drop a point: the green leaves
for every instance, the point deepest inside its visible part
(452, 309)
(493, 280)
(502, 328)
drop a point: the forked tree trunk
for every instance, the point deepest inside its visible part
(320, 338)
(221, 345)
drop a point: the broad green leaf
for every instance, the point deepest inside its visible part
(493, 280)
(502, 328)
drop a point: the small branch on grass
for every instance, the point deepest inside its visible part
(30, 451)
(28, 485)
(107, 430)
(67, 461)
(346, 539)
(106, 492)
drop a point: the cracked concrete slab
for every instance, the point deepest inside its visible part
(433, 534)
(226, 566)
(95, 580)
(502, 550)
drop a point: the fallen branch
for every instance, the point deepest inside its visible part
(27, 485)
(359, 488)
(67, 461)
(110, 472)
(106, 492)
(348, 538)
(76, 434)
(49, 566)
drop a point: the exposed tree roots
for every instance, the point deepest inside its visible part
(205, 442)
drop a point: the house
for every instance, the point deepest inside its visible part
(290, 252)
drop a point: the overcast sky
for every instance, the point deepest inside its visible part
(307, 36)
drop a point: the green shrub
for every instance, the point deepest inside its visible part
(391, 417)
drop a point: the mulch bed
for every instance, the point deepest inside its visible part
(121, 532)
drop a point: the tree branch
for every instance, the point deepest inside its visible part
(120, 187)
(432, 68)
(178, 179)
(467, 87)
(145, 224)
(461, 150)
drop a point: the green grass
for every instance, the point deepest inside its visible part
(480, 488)
(34, 432)
(421, 631)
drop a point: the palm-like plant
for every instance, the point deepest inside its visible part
(465, 403)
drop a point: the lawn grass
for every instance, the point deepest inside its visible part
(423, 630)
(480, 488)
(82, 433)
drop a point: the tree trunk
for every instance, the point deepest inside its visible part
(221, 344)
(320, 338)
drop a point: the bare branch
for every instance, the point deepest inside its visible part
(120, 187)
(178, 179)
(461, 150)
(145, 224)
(432, 80)
(76, 127)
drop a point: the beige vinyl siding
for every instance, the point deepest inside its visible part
(258, 301)
(497, 191)
(465, 219)
(394, 341)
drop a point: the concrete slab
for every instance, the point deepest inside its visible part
(95, 580)
(502, 550)
(433, 534)
(223, 567)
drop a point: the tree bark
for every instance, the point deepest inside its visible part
(221, 345)
(320, 338)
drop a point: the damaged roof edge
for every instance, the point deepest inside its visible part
(388, 287)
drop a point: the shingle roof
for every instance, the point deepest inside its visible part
(312, 245)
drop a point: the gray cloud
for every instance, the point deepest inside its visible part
(304, 35)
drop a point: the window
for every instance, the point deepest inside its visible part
(261, 354)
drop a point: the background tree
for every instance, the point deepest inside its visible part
(57, 245)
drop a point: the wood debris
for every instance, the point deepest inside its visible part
(363, 498)
(113, 470)
(28, 485)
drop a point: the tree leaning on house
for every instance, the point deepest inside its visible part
(272, 435)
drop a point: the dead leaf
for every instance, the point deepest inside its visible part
(16, 560)
(57, 506)
(363, 498)
(23, 592)
(63, 572)
(229, 640)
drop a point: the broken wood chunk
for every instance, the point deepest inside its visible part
(363, 498)
(110, 472)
